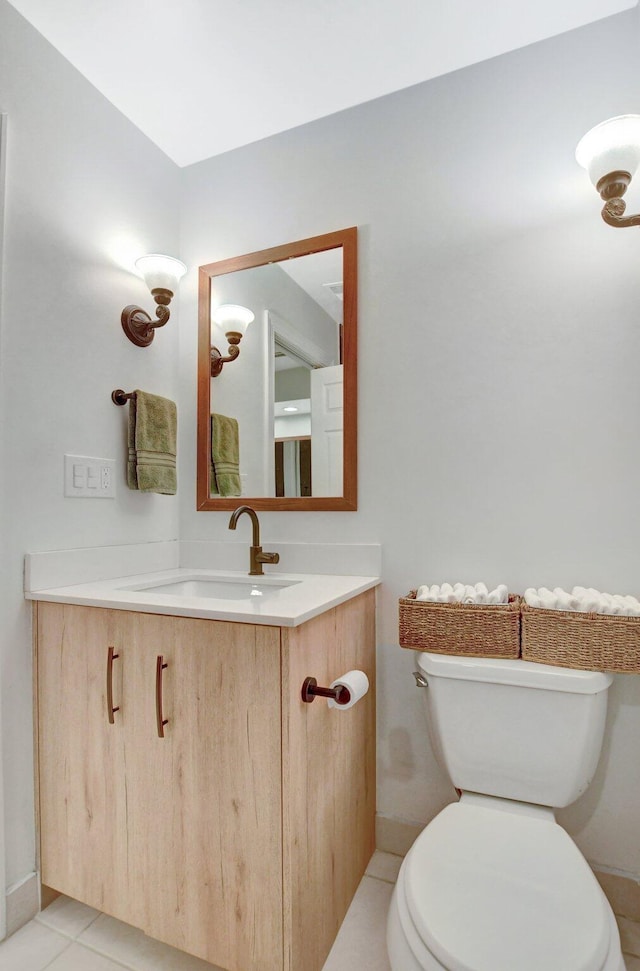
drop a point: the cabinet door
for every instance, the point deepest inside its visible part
(84, 807)
(329, 779)
(208, 805)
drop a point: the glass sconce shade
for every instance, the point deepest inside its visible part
(161, 272)
(612, 146)
(232, 317)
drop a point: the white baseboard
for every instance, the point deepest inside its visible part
(23, 903)
(396, 835)
(622, 891)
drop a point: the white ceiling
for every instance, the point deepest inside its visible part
(200, 77)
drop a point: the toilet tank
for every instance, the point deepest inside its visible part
(515, 729)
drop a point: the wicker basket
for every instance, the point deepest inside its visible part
(572, 639)
(472, 630)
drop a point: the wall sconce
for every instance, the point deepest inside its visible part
(234, 320)
(162, 275)
(610, 153)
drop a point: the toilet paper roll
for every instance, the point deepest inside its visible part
(357, 684)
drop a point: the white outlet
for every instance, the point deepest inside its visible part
(89, 478)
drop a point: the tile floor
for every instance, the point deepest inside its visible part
(68, 936)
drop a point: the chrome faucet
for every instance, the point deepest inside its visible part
(256, 556)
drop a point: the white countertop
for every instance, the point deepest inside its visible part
(286, 606)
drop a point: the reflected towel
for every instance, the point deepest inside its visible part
(225, 456)
(153, 425)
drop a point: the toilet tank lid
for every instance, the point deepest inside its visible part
(525, 674)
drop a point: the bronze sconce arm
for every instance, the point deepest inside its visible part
(139, 326)
(611, 188)
(217, 360)
(161, 274)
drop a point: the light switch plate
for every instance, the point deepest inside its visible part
(89, 478)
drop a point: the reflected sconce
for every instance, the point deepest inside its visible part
(610, 153)
(234, 321)
(162, 275)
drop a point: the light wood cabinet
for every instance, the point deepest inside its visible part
(242, 834)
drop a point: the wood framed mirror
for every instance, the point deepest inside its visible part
(277, 405)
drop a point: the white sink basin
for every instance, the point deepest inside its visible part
(218, 588)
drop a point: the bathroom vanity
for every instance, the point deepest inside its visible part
(184, 786)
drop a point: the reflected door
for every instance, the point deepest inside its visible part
(327, 422)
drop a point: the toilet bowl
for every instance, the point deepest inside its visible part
(494, 883)
(488, 887)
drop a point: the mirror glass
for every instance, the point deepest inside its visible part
(277, 367)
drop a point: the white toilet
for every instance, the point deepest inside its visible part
(494, 883)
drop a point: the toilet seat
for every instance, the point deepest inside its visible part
(489, 890)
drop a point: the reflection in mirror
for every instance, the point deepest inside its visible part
(277, 404)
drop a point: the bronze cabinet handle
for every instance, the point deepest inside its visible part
(111, 657)
(160, 721)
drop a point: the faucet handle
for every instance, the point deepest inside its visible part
(257, 558)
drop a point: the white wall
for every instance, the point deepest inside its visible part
(86, 193)
(499, 402)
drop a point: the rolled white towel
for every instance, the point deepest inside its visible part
(590, 604)
(609, 605)
(591, 600)
(547, 599)
(633, 606)
(481, 592)
(424, 593)
(463, 593)
(531, 597)
(566, 601)
(500, 595)
(446, 595)
(624, 609)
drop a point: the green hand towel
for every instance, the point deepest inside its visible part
(225, 456)
(153, 423)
